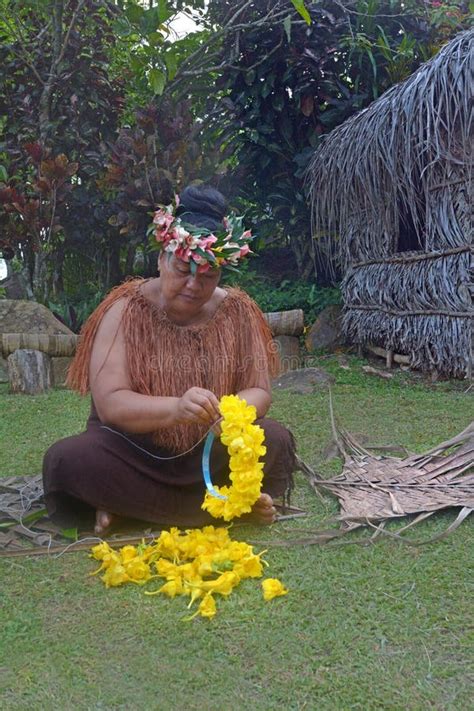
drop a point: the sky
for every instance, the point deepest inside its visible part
(182, 25)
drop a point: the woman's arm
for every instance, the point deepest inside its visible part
(118, 405)
(259, 397)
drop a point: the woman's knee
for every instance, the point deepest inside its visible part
(276, 434)
(60, 457)
(53, 457)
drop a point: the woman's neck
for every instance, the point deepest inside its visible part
(176, 313)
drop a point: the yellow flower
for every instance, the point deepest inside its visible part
(171, 588)
(115, 575)
(214, 505)
(166, 568)
(168, 543)
(194, 589)
(249, 567)
(100, 551)
(127, 553)
(138, 571)
(272, 588)
(237, 550)
(109, 559)
(223, 584)
(207, 607)
(205, 565)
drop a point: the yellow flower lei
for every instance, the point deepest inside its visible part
(202, 563)
(244, 442)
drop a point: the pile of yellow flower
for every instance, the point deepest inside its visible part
(205, 562)
(199, 563)
(244, 442)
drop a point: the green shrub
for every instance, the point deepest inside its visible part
(287, 294)
(74, 310)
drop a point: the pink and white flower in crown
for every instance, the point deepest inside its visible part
(183, 253)
(172, 246)
(200, 247)
(206, 242)
(163, 221)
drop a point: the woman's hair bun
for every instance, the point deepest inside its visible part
(203, 206)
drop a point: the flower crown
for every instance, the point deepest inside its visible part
(200, 247)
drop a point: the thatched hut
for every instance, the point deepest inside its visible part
(393, 187)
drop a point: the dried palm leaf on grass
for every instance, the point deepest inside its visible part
(373, 488)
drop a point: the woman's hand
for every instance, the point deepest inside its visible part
(197, 406)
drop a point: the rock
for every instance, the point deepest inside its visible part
(20, 316)
(60, 367)
(303, 381)
(326, 330)
(15, 287)
(343, 362)
(3, 370)
(29, 372)
(289, 352)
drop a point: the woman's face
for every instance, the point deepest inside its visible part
(182, 290)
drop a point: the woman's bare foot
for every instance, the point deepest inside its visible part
(263, 511)
(103, 522)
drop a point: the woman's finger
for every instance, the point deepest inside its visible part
(200, 413)
(212, 403)
(205, 400)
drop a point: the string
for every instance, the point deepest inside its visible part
(26, 504)
(209, 436)
(155, 456)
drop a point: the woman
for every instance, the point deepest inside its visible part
(156, 356)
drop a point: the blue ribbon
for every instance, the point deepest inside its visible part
(206, 453)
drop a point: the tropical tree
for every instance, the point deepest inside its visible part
(74, 73)
(59, 105)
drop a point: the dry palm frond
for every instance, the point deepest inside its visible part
(373, 489)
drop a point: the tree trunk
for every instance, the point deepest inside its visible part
(39, 278)
(114, 273)
(301, 248)
(129, 260)
(57, 281)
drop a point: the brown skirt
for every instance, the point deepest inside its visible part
(124, 474)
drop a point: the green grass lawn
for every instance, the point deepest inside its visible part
(383, 626)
